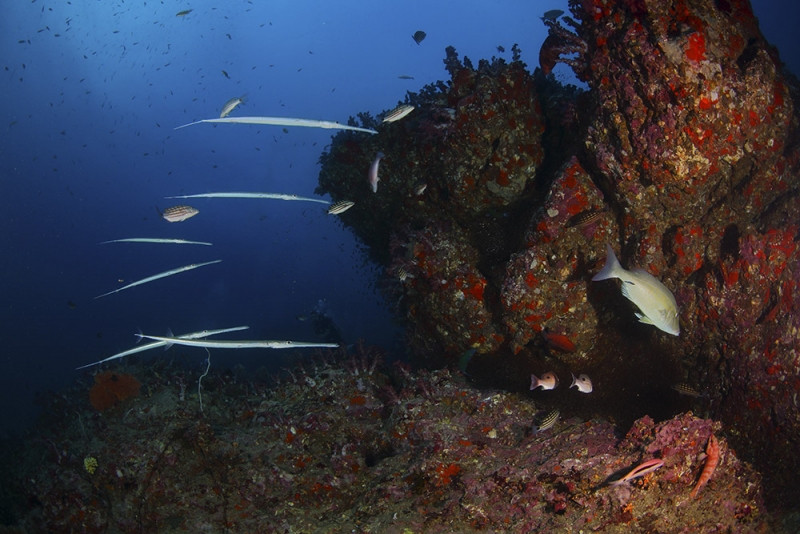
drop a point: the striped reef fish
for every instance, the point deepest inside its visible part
(179, 213)
(265, 344)
(372, 175)
(398, 113)
(419, 36)
(231, 104)
(403, 275)
(639, 471)
(549, 421)
(156, 240)
(655, 302)
(340, 207)
(585, 218)
(155, 344)
(689, 391)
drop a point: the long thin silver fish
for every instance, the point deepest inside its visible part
(155, 240)
(155, 344)
(398, 113)
(284, 121)
(160, 275)
(179, 213)
(276, 196)
(230, 105)
(248, 344)
(340, 207)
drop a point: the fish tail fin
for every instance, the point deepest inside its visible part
(535, 383)
(612, 267)
(169, 334)
(160, 214)
(574, 381)
(243, 99)
(138, 335)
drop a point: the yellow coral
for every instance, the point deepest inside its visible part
(90, 464)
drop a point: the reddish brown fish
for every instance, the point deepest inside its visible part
(640, 470)
(712, 459)
(179, 213)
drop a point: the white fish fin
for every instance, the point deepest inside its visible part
(139, 335)
(169, 334)
(644, 319)
(627, 285)
(612, 267)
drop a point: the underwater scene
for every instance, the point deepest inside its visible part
(400, 267)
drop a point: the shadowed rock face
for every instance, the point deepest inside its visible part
(683, 154)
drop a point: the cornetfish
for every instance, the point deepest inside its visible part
(247, 344)
(155, 344)
(160, 275)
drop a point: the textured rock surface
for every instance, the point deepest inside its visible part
(342, 447)
(684, 151)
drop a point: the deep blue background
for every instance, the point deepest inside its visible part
(88, 152)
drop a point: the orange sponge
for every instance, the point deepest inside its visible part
(110, 388)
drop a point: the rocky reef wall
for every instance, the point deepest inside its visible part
(683, 154)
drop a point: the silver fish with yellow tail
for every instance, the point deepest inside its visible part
(655, 302)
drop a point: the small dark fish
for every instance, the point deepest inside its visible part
(689, 391)
(71, 304)
(501, 49)
(585, 218)
(549, 421)
(463, 361)
(553, 14)
(183, 13)
(420, 35)
(405, 77)
(226, 74)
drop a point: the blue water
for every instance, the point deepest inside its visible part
(89, 152)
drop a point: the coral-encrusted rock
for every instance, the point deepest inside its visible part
(339, 447)
(445, 292)
(546, 285)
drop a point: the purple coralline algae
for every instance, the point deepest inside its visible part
(683, 154)
(342, 446)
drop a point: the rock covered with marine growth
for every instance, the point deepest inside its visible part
(683, 154)
(344, 446)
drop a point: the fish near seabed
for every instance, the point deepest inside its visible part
(373, 172)
(179, 213)
(655, 302)
(548, 381)
(231, 104)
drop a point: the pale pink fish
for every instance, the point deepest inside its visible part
(373, 172)
(640, 470)
(582, 382)
(548, 381)
(179, 213)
